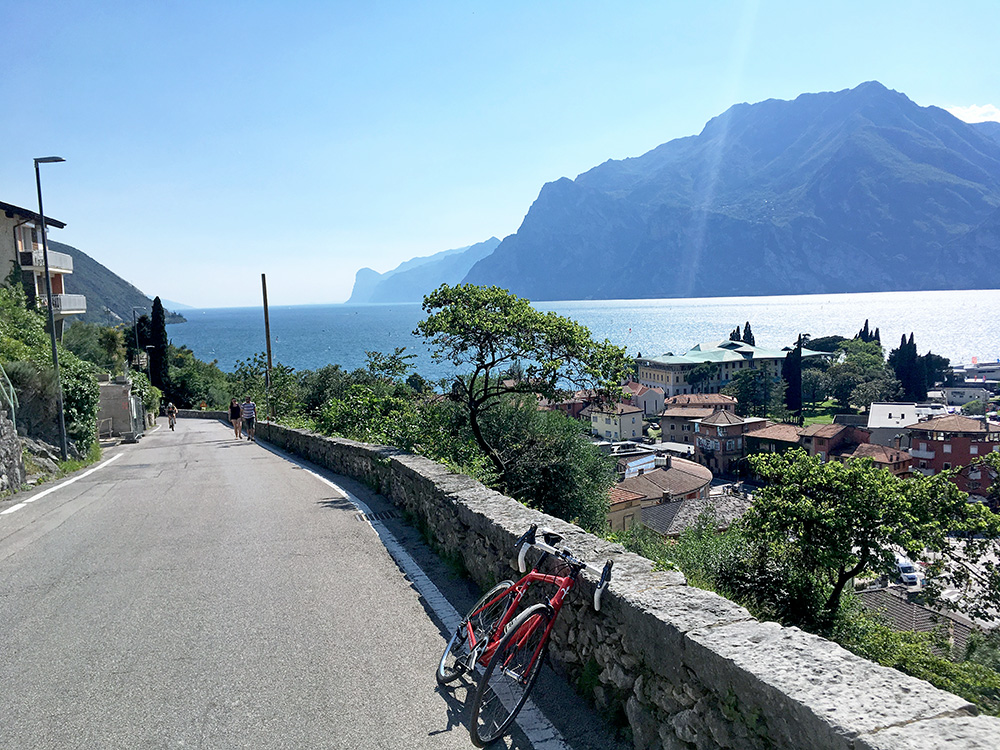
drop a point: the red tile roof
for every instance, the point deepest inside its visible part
(782, 432)
(621, 495)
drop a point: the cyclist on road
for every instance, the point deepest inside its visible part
(171, 414)
(249, 416)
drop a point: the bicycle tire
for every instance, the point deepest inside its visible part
(510, 675)
(483, 625)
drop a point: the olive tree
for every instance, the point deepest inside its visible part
(485, 332)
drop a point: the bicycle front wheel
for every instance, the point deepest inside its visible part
(510, 675)
(484, 616)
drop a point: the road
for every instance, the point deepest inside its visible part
(195, 590)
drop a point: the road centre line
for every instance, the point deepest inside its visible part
(538, 729)
(43, 493)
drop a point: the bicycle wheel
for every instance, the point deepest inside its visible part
(509, 676)
(484, 616)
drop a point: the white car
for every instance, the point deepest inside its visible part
(909, 574)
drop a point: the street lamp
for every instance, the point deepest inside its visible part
(63, 448)
(135, 330)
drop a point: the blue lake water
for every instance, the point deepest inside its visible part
(959, 325)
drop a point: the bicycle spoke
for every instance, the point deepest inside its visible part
(509, 677)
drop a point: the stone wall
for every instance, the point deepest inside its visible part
(688, 669)
(11, 458)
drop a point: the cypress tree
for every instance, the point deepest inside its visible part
(159, 372)
(734, 335)
(791, 373)
(748, 335)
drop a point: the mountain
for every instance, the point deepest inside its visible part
(410, 281)
(990, 129)
(848, 191)
(110, 298)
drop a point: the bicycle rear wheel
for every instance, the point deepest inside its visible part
(484, 616)
(510, 675)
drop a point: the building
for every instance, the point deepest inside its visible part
(835, 442)
(824, 439)
(670, 371)
(650, 400)
(949, 442)
(887, 421)
(625, 510)
(774, 438)
(672, 479)
(719, 440)
(894, 460)
(680, 412)
(614, 421)
(963, 395)
(21, 250)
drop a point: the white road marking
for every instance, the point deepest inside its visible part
(77, 478)
(536, 727)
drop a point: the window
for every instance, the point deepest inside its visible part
(947, 448)
(923, 446)
(947, 465)
(974, 450)
(890, 415)
(672, 427)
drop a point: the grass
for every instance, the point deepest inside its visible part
(823, 413)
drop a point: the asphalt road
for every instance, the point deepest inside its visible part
(199, 591)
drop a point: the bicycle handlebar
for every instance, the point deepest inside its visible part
(528, 540)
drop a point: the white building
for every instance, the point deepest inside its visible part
(21, 248)
(615, 421)
(670, 371)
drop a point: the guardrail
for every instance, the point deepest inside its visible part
(8, 397)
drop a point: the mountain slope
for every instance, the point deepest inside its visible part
(110, 298)
(410, 281)
(857, 190)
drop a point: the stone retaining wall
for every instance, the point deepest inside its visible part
(11, 457)
(686, 668)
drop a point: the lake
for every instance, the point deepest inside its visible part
(959, 325)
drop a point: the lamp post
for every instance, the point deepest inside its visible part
(149, 362)
(63, 448)
(135, 331)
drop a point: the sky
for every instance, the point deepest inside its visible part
(209, 142)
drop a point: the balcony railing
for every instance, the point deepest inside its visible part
(58, 262)
(917, 453)
(69, 304)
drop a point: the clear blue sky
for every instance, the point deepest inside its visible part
(209, 142)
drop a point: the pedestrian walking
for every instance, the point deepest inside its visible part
(249, 410)
(236, 417)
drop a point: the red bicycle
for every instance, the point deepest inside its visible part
(508, 647)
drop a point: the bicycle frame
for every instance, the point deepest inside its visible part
(480, 652)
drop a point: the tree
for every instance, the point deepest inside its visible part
(159, 366)
(748, 335)
(791, 373)
(840, 521)
(753, 390)
(483, 331)
(701, 375)
(910, 369)
(815, 384)
(735, 335)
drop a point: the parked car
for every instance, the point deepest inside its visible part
(909, 574)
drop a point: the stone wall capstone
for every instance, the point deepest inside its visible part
(686, 668)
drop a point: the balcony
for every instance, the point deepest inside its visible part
(69, 304)
(917, 453)
(58, 262)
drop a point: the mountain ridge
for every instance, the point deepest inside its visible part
(856, 190)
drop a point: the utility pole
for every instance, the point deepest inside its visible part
(267, 334)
